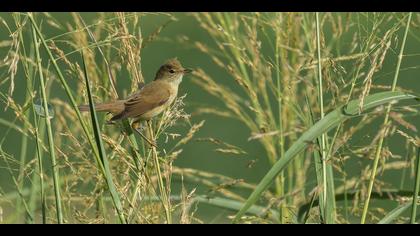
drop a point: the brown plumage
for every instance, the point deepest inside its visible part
(151, 99)
(114, 107)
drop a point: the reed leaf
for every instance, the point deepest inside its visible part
(330, 121)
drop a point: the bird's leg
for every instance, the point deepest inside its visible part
(109, 122)
(136, 126)
(140, 85)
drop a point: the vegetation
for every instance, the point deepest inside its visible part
(314, 117)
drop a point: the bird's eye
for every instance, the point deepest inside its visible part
(171, 71)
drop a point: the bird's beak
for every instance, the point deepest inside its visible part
(187, 71)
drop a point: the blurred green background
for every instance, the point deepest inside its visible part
(200, 155)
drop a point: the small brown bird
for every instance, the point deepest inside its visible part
(148, 101)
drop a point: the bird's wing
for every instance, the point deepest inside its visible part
(149, 97)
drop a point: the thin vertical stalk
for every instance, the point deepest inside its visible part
(103, 158)
(416, 190)
(39, 133)
(35, 181)
(381, 140)
(24, 140)
(165, 199)
(321, 107)
(54, 166)
(280, 180)
(321, 101)
(406, 160)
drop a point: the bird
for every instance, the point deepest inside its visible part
(148, 101)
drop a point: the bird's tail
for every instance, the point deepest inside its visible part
(113, 107)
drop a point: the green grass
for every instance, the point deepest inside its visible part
(102, 154)
(287, 118)
(54, 167)
(327, 175)
(330, 121)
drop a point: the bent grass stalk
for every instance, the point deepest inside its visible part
(384, 194)
(330, 121)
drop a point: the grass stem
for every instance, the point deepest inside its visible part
(165, 200)
(416, 190)
(327, 177)
(54, 166)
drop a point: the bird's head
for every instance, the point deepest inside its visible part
(172, 71)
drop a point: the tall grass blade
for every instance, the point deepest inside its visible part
(325, 185)
(24, 141)
(97, 132)
(54, 166)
